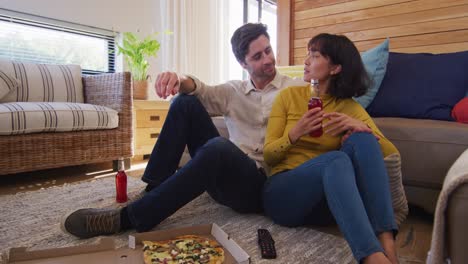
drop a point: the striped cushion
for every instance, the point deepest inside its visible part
(28, 117)
(7, 84)
(399, 202)
(43, 82)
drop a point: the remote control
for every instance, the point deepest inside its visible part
(267, 244)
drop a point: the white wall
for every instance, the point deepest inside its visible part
(117, 15)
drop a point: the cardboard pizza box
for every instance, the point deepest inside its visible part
(105, 251)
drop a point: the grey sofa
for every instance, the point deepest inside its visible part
(428, 146)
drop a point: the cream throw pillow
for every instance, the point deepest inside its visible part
(399, 202)
(43, 82)
(7, 84)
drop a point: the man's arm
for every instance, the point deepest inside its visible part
(187, 84)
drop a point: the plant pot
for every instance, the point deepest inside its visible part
(140, 90)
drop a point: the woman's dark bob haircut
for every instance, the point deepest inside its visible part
(353, 79)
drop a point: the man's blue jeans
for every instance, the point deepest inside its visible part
(217, 166)
(350, 186)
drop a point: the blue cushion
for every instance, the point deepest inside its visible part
(375, 62)
(421, 85)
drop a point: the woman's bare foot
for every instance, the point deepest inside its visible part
(388, 244)
(377, 258)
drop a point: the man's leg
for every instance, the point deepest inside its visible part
(220, 167)
(187, 124)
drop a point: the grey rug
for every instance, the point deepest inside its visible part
(32, 219)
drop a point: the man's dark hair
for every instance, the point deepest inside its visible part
(243, 36)
(353, 79)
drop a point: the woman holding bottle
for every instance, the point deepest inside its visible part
(338, 175)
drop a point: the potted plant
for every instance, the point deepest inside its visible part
(136, 52)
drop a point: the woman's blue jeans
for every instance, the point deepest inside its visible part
(217, 166)
(350, 186)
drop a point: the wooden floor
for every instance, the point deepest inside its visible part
(413, 240)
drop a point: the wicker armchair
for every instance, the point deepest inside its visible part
(37, 151)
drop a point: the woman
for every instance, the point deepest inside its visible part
(340, 175)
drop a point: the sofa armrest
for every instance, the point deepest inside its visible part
(112, 90)
(450, 234)
(457, 213)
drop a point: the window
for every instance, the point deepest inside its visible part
(263, 11)
(40, 40)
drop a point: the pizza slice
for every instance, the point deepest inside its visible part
(188, 249)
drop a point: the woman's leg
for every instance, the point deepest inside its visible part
(372, 181)
(291, 198)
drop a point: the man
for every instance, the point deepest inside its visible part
(231, 171)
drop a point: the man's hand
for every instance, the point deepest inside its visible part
(167, 83)
(310, 121)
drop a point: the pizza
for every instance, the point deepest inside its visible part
(189, 249)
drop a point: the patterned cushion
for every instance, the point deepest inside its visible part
(43, 82)
(28, 117)
(7, 84)
(399, 202)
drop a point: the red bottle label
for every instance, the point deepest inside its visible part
(313, 103)
(121, 187)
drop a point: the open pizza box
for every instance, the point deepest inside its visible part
(105, 251)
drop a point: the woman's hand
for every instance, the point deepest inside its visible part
(340, 123)
(310, 121)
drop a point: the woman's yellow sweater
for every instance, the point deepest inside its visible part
(288, 107)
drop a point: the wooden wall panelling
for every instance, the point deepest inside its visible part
(442, 48)
(453, 30)
(412, 25)
(376, 12)
(308, 4)
(342, 8)
(418, 40)
(387, 21)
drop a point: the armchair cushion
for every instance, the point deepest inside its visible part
(29, 117)
(43, 82)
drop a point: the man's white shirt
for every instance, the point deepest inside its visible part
(245, 109)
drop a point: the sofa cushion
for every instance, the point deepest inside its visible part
(375, 61)
(29, 117)
(460, 111)
(422, 85)
(293, 71)
(427, 147)
(43, 82)
(399, 201)
(7, 84)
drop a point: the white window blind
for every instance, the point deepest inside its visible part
(29, 38)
